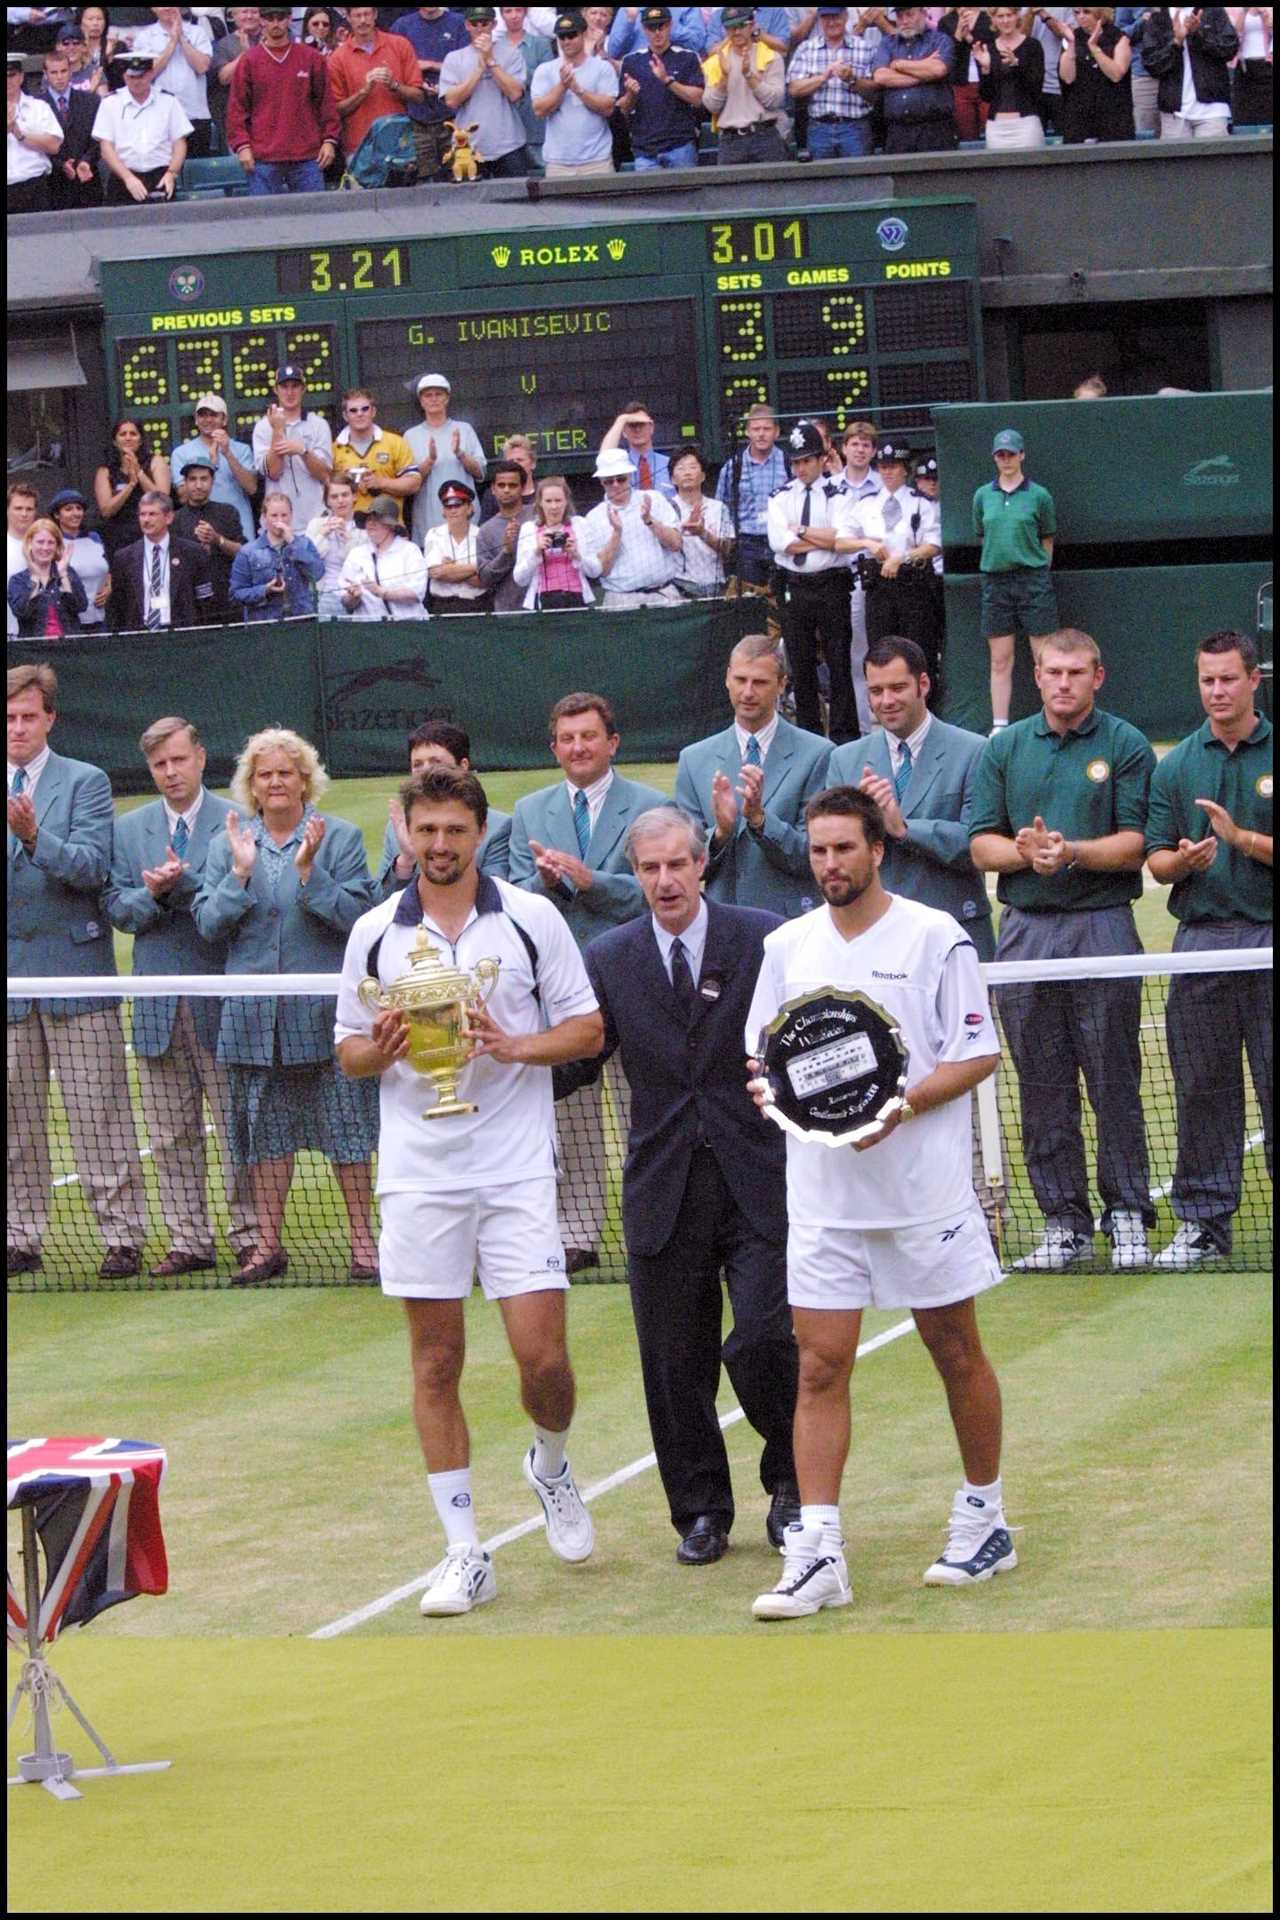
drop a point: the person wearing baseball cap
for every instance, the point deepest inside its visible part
(482, 85)
(235, 484)
(282, 119)
(85, 552)
(804, 519)
(574, 96)
(34, 137)
(746, 85)
(293, 450)
(1016, 521)
(443, 449)
(913, 66)
(830, 75)
(385, 576)
(662, 89)
(453, 563)
(213, 524)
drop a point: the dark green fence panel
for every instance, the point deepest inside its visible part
(356, 689)
(1147, 621)
(1162, 467)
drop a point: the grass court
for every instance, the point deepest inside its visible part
(1088, 1733)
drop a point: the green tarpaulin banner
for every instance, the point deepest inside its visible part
(356, 689)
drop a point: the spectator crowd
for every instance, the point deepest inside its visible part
(302, 97)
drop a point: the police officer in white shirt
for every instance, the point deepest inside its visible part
(861, 482)
(143, 135)
(34, 137)
(802, 523)
(891, 1221)
(904, 532)
(385, 578)
(476, 1188)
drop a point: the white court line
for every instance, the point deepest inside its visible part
(630, 1472)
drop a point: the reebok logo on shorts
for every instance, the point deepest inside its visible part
(950, 1232)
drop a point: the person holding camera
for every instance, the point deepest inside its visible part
(274, 577)
(143, 136)
(555, 562)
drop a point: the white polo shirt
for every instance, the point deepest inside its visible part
(922, 971)
(399, 564)
(142, 132)
(510, 1136)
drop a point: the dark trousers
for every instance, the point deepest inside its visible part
(118, 195)
(909, 607)
(72, 196)
(755, 559)
(1212, 1019)
(815, 617)
(676, 1300)
(1059, 1030)
(29, 196)
(920, 136)
(508, 166)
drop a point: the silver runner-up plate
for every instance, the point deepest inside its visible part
(834, 1066)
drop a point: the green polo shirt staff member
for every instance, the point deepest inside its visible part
(1209, 836)
(1016, 521)
(1059, 811)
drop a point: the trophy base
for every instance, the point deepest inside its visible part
(450, 1104)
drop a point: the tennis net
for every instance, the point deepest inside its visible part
(1139, 1084)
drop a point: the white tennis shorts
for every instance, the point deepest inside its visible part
(433, 1245)
(934, 1265)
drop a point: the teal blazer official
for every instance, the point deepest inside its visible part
(547, 816)
(165, 937)
(295, 930)
(767, 868)
(491, 854)
(932, 864)
(56, 922)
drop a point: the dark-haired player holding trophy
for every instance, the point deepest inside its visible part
(868, 1031)
(470, 1185)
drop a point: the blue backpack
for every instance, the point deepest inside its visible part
(386, 157)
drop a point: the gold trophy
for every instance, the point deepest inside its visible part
(435, 1000)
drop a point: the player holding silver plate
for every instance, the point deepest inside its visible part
(472, 1188)
(891, 1220)
(835, 1068)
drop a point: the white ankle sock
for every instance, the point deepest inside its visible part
(548, 1452)
(825, 1522)
(452, 1494)
(992, 1497)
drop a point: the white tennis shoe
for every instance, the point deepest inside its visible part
(1129, 1247)
(1058, 1249)
(463, 1580)
(813, 1576)
(978, 1546)
(570, 1533)
(1190, 1247)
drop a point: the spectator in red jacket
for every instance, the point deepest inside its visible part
(284, 134)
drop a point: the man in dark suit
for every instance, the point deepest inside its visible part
(157, 867)
(704, 1187)
(160, 581)
(74, 182)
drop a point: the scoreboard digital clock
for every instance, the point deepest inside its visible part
(844, 312)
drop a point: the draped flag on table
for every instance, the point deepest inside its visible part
(97, 1512)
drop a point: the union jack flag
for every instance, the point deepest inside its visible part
(97, 1512)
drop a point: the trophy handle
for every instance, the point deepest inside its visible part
(370, 995)
(485, 975)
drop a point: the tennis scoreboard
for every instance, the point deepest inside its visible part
(834, 311)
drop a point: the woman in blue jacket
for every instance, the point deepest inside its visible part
(283, 886)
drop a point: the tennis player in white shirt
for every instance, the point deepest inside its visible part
(893, 1222)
